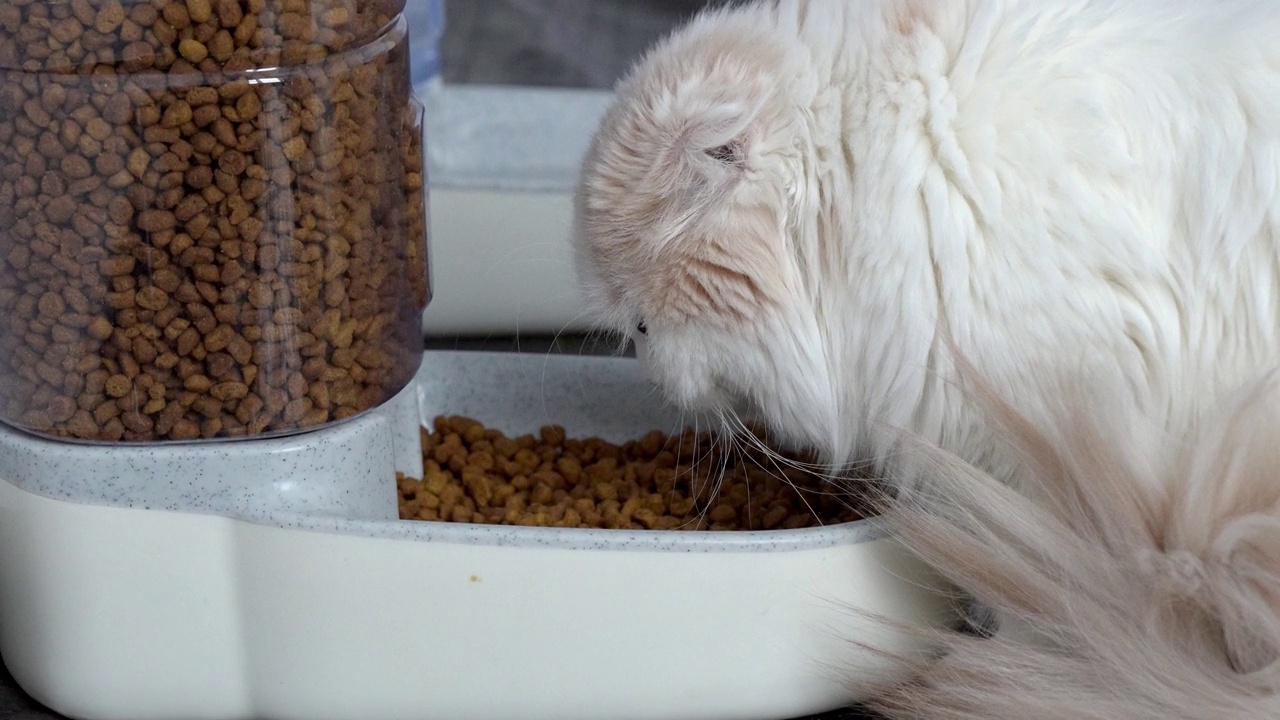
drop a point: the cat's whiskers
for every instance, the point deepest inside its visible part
(695, 487)
(723, 457)
(749, 436)
(740, 452)
(715, 476)
(679, 450)
(736, 432)
(745, 434)
(679, 426)
(592, 334)
(842, 492)
(741, 458)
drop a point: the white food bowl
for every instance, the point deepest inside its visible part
(272, 579)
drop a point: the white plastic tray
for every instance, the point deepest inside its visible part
(270, 579)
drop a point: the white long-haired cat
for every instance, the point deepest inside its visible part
(811, 209)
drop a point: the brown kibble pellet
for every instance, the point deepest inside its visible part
(248, 106)
(100, 328)
(335, 17)
(193, 50)
(177, 115)
(184, 429)
(152, 298)
(294, 147)
(81, 425)
(774, 517)
(552, 435)
(198, 384)
(118, 386)
(76, 167)
(109, 17)
(556, 481)
(229, 391)
(723, 514)
(156, 221)
(200, 11)
(62, 409)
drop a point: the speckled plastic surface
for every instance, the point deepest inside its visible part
(340, 471)
(269, 579)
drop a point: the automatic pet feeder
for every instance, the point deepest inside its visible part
(213, 268)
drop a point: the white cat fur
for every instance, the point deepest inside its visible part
(1056, 184)
(1142, 584)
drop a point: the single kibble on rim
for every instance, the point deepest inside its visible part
(688, 481)
(188, 250)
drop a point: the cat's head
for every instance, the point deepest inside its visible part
(686, 224)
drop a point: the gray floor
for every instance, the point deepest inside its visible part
(566, 43)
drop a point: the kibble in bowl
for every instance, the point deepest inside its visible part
(211, 216)
(686, 481)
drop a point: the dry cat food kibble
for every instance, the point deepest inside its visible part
(691, 481)
(211, 215)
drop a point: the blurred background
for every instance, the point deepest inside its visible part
(514, 90)
(557, 43)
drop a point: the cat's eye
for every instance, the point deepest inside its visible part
(642, 328)
(727, 153)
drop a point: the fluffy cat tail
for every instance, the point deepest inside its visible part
(1131, 579)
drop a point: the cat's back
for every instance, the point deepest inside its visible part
(1108, 172)
(1172, 86)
